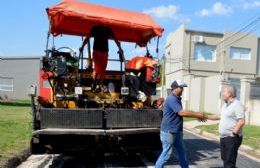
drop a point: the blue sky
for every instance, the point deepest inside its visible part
(24, 24)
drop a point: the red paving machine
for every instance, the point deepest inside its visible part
(76, 110)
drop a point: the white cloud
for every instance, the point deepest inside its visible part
(170, 12)
(217, 9)
(253, 4)
(204, 12)
(221, 9)
(162, 12)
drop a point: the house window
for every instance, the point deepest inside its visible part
(240, 53)
(6, 84)
(205, 53)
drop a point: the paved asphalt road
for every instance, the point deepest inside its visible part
(201, 153)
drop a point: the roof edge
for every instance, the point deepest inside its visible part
(19, 58)
(204, 32)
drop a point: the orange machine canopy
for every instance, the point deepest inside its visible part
(77, 18)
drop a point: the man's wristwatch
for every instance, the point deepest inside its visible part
(235, 134)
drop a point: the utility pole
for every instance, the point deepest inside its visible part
(163, 75)
(223, 55)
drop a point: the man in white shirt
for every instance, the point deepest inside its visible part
(232, 119)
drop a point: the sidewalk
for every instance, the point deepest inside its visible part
(245, 150)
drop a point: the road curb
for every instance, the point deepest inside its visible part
(243, 150)
(17, 160)
(35, 161)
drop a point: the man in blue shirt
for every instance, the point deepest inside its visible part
(172, 126)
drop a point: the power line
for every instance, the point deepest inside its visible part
(252, 24)
(239, 31)
(182, 60)
(251, 27)
(243, 35)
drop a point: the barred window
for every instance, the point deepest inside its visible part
(240, 53)
(205, 53)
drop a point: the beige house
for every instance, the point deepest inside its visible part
(16, 74)
(207, 61)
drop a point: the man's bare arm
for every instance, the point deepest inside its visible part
(239, 125)
(186, 113)
(214, 117)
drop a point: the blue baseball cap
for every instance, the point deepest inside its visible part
(178, 83)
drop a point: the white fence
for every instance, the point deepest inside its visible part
(204, 94)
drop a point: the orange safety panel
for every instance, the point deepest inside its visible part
(139, 62)
(78, 18)
(149, 74)
(45, 88)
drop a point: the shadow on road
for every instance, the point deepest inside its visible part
(201, 153)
